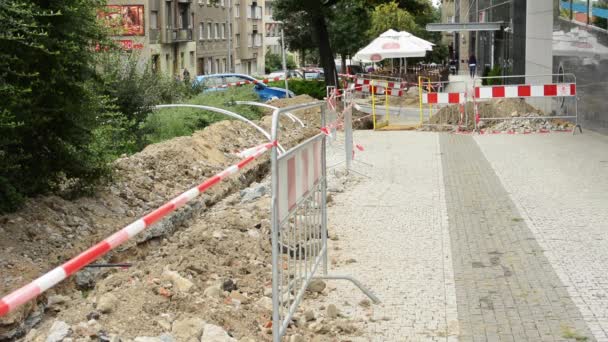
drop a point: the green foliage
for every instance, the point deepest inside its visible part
(274, 62)
(134, 90)
(47, 112)
(390, 16)
(313, 88)
(494, 72)
(173, 122)
(348, 25)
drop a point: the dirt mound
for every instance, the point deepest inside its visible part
(49, 230)
(503, 108)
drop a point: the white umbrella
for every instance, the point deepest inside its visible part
(393, 44)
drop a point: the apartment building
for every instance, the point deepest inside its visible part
(272, 38)
(248, 42)
(160, 31)
(213, 28)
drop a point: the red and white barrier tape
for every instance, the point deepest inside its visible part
(518, 91)
(52, 278)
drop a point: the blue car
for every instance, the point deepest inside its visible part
(219, 82)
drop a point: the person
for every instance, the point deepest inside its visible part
(186, 77)
(472, 65)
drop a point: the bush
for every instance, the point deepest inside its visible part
(496, 71)
(312, 88)
(168, 123)
(48, 112)
(133, 89)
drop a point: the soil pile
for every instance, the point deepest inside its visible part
(50, 230)
(514, 109)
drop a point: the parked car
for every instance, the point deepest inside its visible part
(290, 74)
(312, 73)
(211, 83)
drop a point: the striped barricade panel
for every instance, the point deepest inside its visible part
(443, 98)
(516, 91)
(299, 173)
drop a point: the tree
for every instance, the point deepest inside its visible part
(274, 62)
(348, 27)
(47, 112)
(390, 16)
(312, 15)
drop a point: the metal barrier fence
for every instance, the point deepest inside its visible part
(299, 221)
(550, 93)
(441, 98)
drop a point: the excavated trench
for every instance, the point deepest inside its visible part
(50, 230)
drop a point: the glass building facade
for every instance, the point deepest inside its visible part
(543, 37)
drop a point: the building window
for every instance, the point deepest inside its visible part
(237, 11)
(217, 31)
(192, 59)
(181, 57)
(237, 40)
(225, 65)
(269, 9)
(209, 31)
(154, 20)
(223, 31)
(208, 2)
(201, 31)
(223, 3)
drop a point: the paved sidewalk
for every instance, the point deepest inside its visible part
(505, 287)
(394, 226)
(560, 184)
(489, 238)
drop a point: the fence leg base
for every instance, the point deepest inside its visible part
(580, 129)
(363, 289)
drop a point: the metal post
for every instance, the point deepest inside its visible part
(229, 42)
(386, 105)
(324, 191)
(348, 136)
(420, 98)
(285, 62)
(276, 320)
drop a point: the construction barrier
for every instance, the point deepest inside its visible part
(32, 290)
(299, 221)
(551, 93)
(438, 96)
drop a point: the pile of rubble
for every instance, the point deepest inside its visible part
(518, 124)
(513, 110)
(203, 274)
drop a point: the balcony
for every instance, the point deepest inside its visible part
(172, 35)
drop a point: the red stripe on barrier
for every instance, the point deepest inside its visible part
(498, 91)
(209, 183)
(85, 258)
(317, 160)
(3, 308)
(524, 90)
(550, 90)
(477, 92)
(432, 97)
(572, 89)
(291, 183)
(453, 97)
(244, 162)
(157, 214)
(305, 175)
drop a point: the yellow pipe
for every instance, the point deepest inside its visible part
(373, 103)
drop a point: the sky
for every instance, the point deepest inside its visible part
(436, 2)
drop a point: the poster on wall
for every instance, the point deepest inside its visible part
(127, 20)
